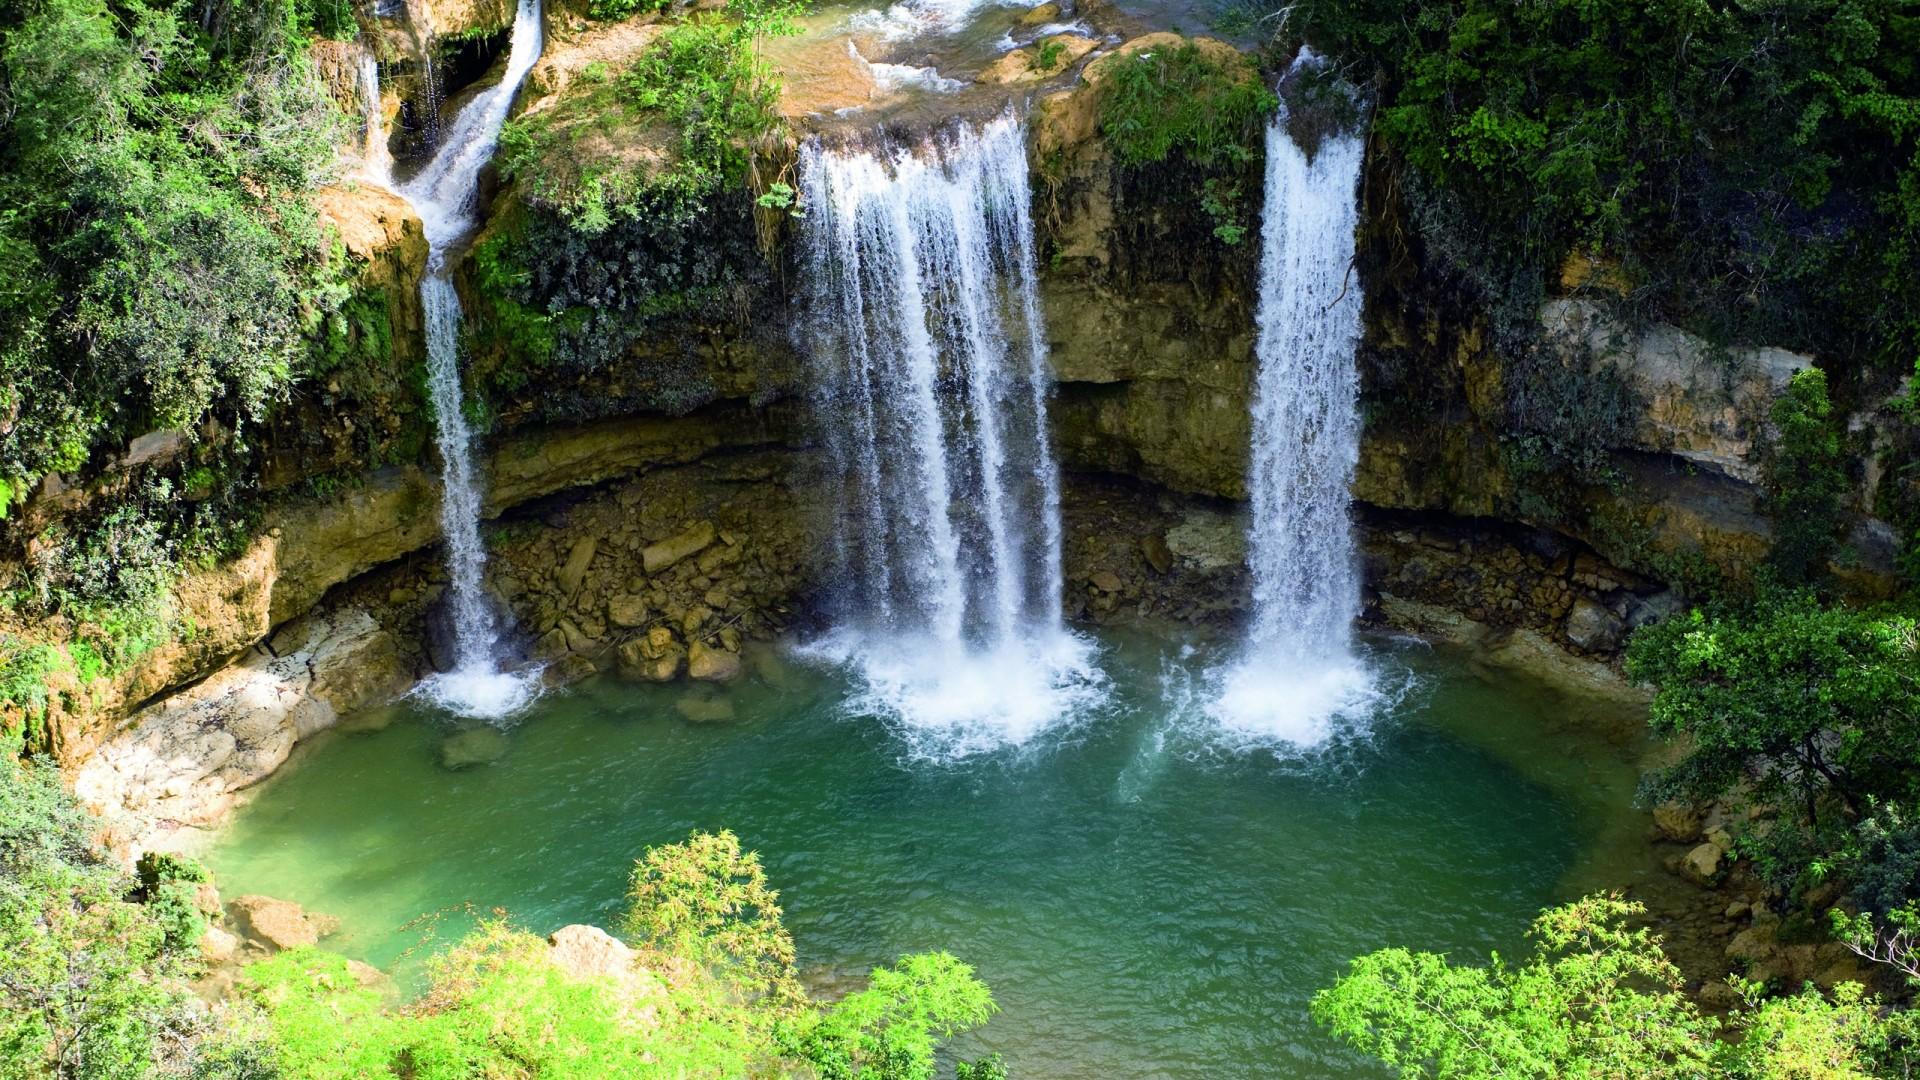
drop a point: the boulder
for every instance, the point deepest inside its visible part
(279, 924)
(692, 541)
(217, 945)
(627, 611)
(709, 664)
(1041, 15)
(574, 570)
(1702, 865)
(474, 746)
(567, 670)
(1045, 60)
(1677, 822)
(588, 952)
(655, 657)
(1105, 580)
(1593, 628)
(1153, 547)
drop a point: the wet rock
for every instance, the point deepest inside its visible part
(279, 924)
(574, 571)
(655, 657)
(549, 646)
(1593, 627)
(709, 664)
(1702, 865)
(657, 557)
(1153, 547)
(1105, 580)
(569, 669)
(1677, 822)
(217, 945)
(627, 611)
(474, 746)
(1040, 15)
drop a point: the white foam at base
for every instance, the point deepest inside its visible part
(481, 692)
(948, 703)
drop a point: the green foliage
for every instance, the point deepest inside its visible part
(703, 79)
(1787, 705)
(1593, 999)
(614, 10)
(1159, 101)
(1596, 999)
(1753, 166)
(25, 668)
(888, 1031)
(1049, 55)
(88, 980)
(161, 263)
(712, 992)
(709, 902)
(1805, 479)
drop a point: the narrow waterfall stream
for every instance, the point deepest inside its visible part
(376, 160)
(443, 193)
(925, 328)
(1297, 673)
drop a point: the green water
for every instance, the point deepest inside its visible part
(1144, 901)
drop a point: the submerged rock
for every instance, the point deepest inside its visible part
(705, 707)
(655, 657)
(474, 746)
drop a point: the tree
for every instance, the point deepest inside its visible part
(1789, 705)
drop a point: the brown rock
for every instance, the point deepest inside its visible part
(1105, 580)
(657, 557)
(574, 571)
(1677, 822)
(627, 611)
(709, 664)
(279, 924)
(587, 952)
(1041, 15)
(1153, 547)
(1702, 864)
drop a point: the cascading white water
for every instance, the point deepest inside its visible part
(444, 194)
(925, 324)
(1297, 672)
(376, 161)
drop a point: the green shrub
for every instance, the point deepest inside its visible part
(89, 982)
(1596, 999)
(1159, 101)
(1805, 479)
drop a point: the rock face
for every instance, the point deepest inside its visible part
(182, 761)
(1699, 407)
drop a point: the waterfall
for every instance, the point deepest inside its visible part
(444, 194)
(376, 160)
(933, 382)
(1297, 672)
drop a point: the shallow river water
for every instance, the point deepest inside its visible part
(1145, 897)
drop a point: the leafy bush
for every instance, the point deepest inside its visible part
(161, 261)
(1596, 999)
(1159, 101)
(712, 992)
(1805, 479)
(89, 982)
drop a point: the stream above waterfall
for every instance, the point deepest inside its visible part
(1146, 895)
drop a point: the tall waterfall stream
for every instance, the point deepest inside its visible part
(1297, 676)
(443, 193)
(926, 336)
